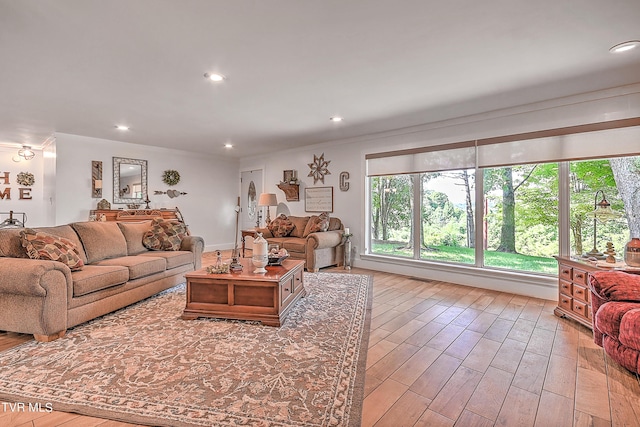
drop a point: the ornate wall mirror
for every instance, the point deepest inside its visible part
(129, 181)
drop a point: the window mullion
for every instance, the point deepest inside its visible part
(417, 217)
(479, 217)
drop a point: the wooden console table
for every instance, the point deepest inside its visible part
(574, 297)
(266, 297)
(137, 214)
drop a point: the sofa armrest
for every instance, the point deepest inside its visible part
(615, 286)
(194, 244)
(324, 239)
(31, 277)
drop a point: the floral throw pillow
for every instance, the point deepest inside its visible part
(281, 226)
(41, 245)
(317, 223)
(165, 235)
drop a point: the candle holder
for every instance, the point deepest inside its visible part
(347, 249)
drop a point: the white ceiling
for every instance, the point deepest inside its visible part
(82, 66)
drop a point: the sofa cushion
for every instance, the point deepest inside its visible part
(609, 316)
(630, 328)
(94, 278)
(165, 235)
(134, 233)
(334, 224)
(101, 240)
(10, 243)
(317, 224)
(41, 245)
(294, 244)
(138, 266)
(173, 258)
(281, 226)
(299, 224)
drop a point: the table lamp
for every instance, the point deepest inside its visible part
(268, 200)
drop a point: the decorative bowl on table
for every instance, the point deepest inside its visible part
(276, 257)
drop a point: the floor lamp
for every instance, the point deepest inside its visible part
(601, 211)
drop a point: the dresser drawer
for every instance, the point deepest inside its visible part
(566, 273)
(565, 302)
(580, 277)
(580, 308)
(566, 287)
(580, 293)
(286, 290)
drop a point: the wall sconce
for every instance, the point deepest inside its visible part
(96, 179)
(26, 152)
(268, 200)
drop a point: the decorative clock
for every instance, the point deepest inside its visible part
(171, 177)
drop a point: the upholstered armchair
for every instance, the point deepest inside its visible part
(616, 316)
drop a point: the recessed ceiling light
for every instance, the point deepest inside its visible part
(623, 47)
(214, 77)
(227, 145)
(122, 127)
(336, 119)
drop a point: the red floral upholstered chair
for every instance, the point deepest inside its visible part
(616, 316)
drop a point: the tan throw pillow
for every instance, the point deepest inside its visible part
(41, 245)
(281, 226)
(134, 233)
(165, 235)
(317, 223)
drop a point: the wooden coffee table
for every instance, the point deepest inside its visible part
(266, 297)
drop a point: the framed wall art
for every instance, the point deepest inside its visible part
(318, 199)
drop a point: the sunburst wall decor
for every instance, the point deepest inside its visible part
(319, 168)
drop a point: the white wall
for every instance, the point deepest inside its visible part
(212, 184)
(34, 207)
(348, 155)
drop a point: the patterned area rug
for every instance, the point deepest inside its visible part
(143, 364)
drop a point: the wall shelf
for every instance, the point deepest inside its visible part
(291, 191)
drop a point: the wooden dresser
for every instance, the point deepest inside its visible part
(574, 297)
(136, 214)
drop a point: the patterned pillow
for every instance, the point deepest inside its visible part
(317, 223)
(41, 245)
(281, 226)
(165, 235)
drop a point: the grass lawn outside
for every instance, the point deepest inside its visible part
(517, 262)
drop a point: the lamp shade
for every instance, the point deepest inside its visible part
(603, 211)
(268, 199)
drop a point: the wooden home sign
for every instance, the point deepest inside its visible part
(5, 193)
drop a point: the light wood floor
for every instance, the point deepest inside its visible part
(442, 355)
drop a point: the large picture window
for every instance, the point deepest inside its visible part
(447, 224)
(423, 207)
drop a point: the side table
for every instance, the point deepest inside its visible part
(251, 232)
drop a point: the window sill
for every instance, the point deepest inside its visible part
(531, 284)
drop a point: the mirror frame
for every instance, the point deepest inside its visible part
(117, 161)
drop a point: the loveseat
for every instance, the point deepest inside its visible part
(615, 304)
(317, 239)
(44, 297)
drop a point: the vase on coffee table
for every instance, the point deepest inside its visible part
(260, 256)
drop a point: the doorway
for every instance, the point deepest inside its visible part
(250, 189)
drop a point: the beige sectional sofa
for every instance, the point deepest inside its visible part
(319, 249)
(44, 298)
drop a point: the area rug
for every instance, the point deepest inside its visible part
(143, 364)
